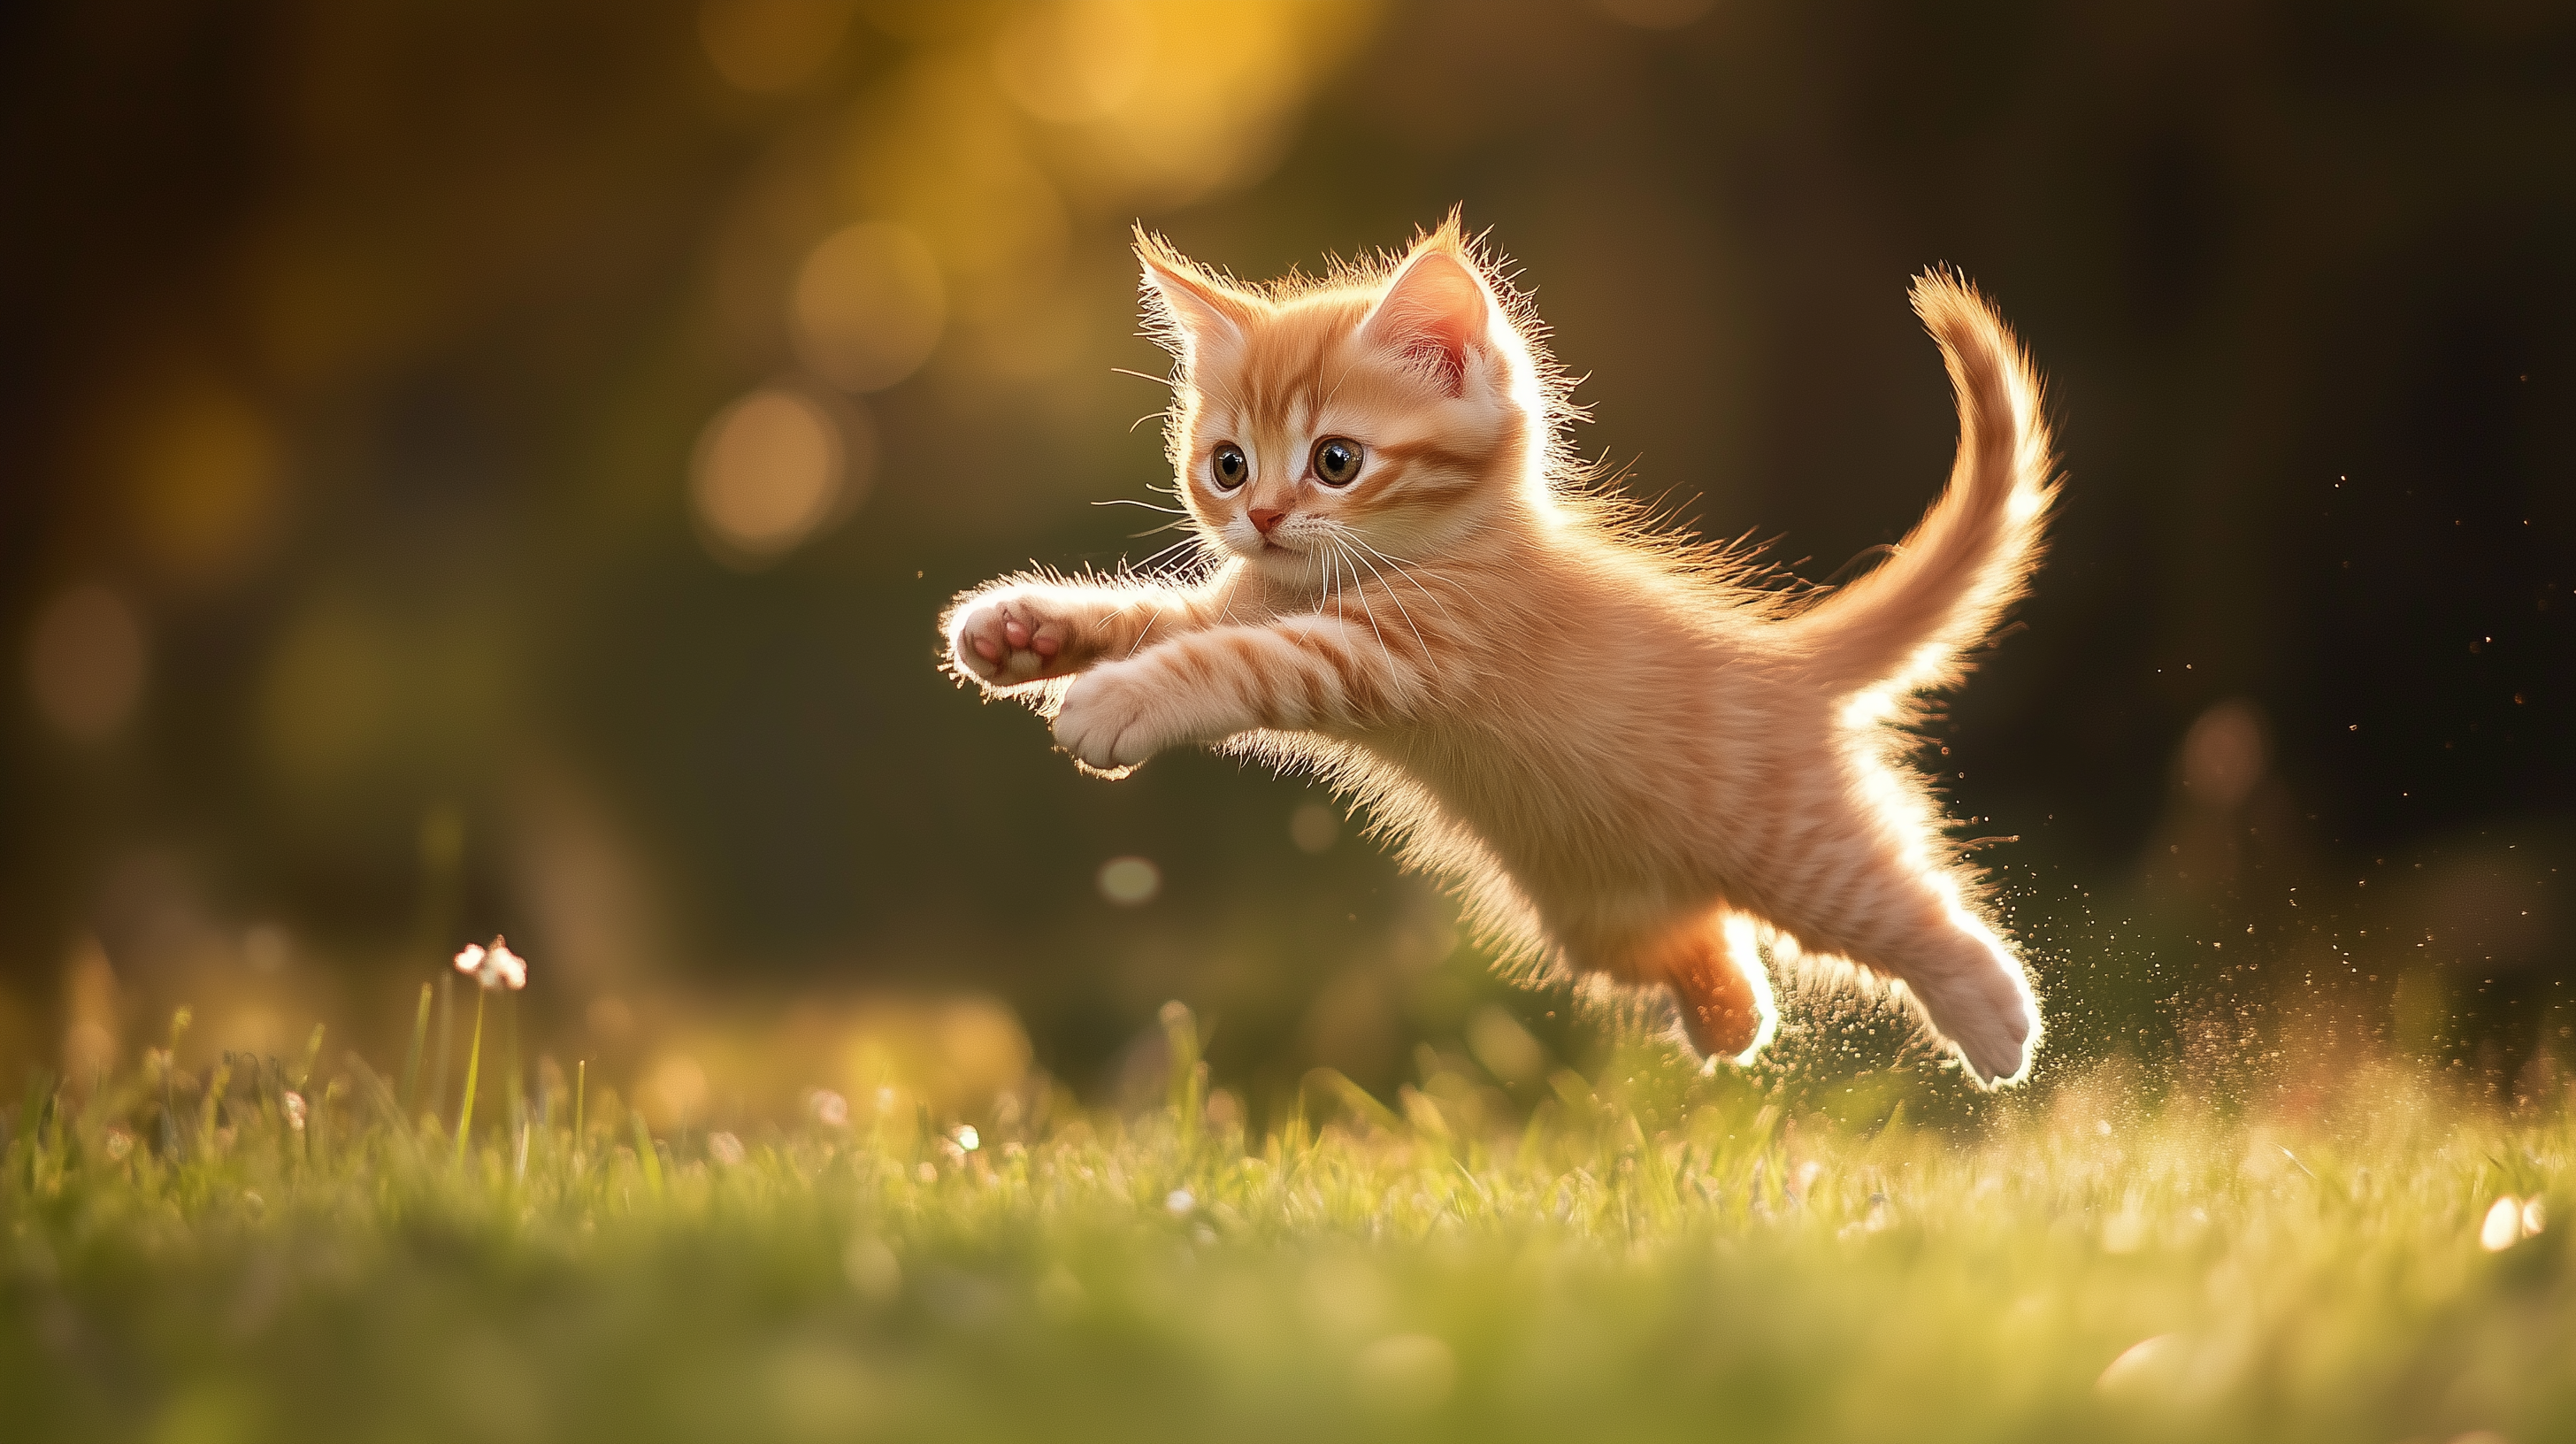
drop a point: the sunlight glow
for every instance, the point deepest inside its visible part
(1069, 64)
(1740, 949)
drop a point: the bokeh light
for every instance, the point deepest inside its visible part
(86, 662)
(674, 1092)
(869, 307)
(202, 484)
(772, 468)
(1070, 63)
(2222, 755)
(1213, 107)
(1130, 881)
(1313, 826)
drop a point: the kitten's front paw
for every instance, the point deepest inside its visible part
(1008, 640)
(1107, 721)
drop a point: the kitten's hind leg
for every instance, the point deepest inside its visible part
(1902, 922)
(1715, 972)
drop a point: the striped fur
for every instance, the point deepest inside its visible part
(1633, 764)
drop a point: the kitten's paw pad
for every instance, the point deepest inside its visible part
(1007, 640)
(1106, 722)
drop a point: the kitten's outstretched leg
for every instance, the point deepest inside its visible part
(1020, 631)
(1901, 922)
(1716, 976)
(1304, 673)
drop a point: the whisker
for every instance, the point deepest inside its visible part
(1167, 551)
(1141, 376)
(1147, 631)
(1362, 588)
(1233, 581)
(1147, 505)
(1408, 576)
(1399, 605)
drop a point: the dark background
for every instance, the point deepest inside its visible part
(357, 357)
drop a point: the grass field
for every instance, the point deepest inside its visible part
(257, 1254)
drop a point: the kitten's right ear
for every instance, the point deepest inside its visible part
(1201, 312)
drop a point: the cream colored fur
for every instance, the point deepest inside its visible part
(1632, 764)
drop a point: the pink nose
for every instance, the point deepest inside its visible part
(1264, 518)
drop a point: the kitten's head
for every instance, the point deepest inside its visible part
(1321, 428)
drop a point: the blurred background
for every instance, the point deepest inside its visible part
(476, 468)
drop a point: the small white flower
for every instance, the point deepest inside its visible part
(725, 1148)
(1180, 1202)
(293, 1103)
(968, 1139)
(493, 967)
(829, 1108)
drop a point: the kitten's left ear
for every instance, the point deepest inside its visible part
(1205, 313)
(1435, 309)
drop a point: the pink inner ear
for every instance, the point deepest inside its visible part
(1434, 311)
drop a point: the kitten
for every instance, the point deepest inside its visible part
(1632, 762)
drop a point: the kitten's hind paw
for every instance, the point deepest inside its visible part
(1997, 1054)
(1988, 1018)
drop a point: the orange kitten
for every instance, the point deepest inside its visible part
(1634, 764)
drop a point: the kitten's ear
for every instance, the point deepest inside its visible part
(1434, 309)
(1204, 313)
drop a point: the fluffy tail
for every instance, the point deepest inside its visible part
(1905, 626)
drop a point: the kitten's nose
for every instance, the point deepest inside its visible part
(1266, 517)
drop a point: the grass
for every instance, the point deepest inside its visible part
(1644, 1255)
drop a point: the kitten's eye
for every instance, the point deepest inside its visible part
(1228, 467)
(1337, 461)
